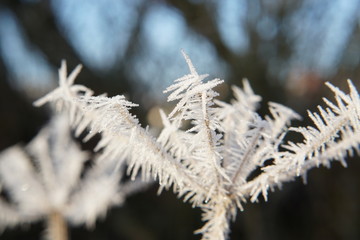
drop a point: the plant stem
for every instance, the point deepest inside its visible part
(56, 227)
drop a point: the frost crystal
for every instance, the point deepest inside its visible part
(206, 151)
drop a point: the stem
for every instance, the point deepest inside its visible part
(210, 141)
(247, 156)
(56, 227)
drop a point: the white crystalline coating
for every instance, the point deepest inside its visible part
(206, 151)
(48, 170)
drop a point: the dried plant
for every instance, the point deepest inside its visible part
(211, 161)
(48, 179)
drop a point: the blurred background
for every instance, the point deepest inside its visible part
(287, 49)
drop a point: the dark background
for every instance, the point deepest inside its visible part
(287, 49)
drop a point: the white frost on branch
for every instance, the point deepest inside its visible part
(208, 150)
(45, 177)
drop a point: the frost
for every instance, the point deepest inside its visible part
(207, 162)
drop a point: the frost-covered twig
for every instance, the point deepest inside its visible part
(123, 139)
(48, 179)
(211, 162)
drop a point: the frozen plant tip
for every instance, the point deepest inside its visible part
(43, 181)
(211, 161)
